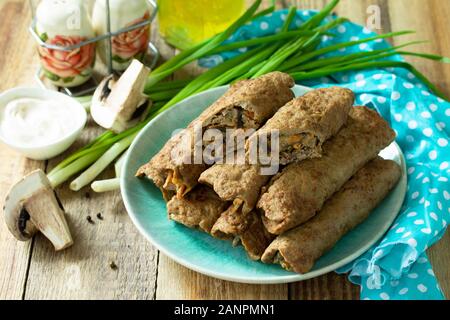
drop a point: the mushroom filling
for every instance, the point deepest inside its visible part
(296, 147)
(236, 241)
(279, 259)
(168, 184)
(235, 117)
(174, 182)
(235, 209)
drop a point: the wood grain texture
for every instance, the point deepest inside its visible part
(84, 271)
(328, 287)
(177, 282)
(14, 255)
(430, 20)
(109, 258)
(34, 271)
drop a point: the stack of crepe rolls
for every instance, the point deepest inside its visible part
(303, 126)
(329, 181)
(297, 193)
(298, 249)
(248, 104)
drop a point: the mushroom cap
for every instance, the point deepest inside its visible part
(13, 207)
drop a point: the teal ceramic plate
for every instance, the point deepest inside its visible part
(202, 253)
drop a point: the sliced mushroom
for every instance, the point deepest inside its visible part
(119, 104)
(31, 206)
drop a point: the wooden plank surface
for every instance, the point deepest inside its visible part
(14, 256)
(33, 271)
(431, 22)
(84, 271)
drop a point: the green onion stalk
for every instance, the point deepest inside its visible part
(293, 50)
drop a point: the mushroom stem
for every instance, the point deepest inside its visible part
(48, 218)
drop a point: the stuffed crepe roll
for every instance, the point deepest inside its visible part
(297, 193)
(199, 209)
(246, 229)
(298, 249)
(202, 209)
(304, 124)
(248, 104)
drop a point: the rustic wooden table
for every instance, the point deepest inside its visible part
(33, 270)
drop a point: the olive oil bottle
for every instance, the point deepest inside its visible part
(184, 23)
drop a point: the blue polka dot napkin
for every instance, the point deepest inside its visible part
(396, 267)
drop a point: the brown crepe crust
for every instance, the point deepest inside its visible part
(260, 98)
(232, 223)
(298, 249)
(162, 164)
(202, 209)
(199, 209)
(256, 238)
(297, 193)
(320, 112)
(236, 182)
(248, 228)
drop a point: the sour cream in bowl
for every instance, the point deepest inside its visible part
(39, 123)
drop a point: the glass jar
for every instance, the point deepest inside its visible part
(129, 45)
(185, 23)
(62, 23)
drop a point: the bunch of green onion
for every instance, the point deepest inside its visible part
(294, 51)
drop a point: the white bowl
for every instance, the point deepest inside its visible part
(44, 152)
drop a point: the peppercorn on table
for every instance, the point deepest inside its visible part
(110, 259)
